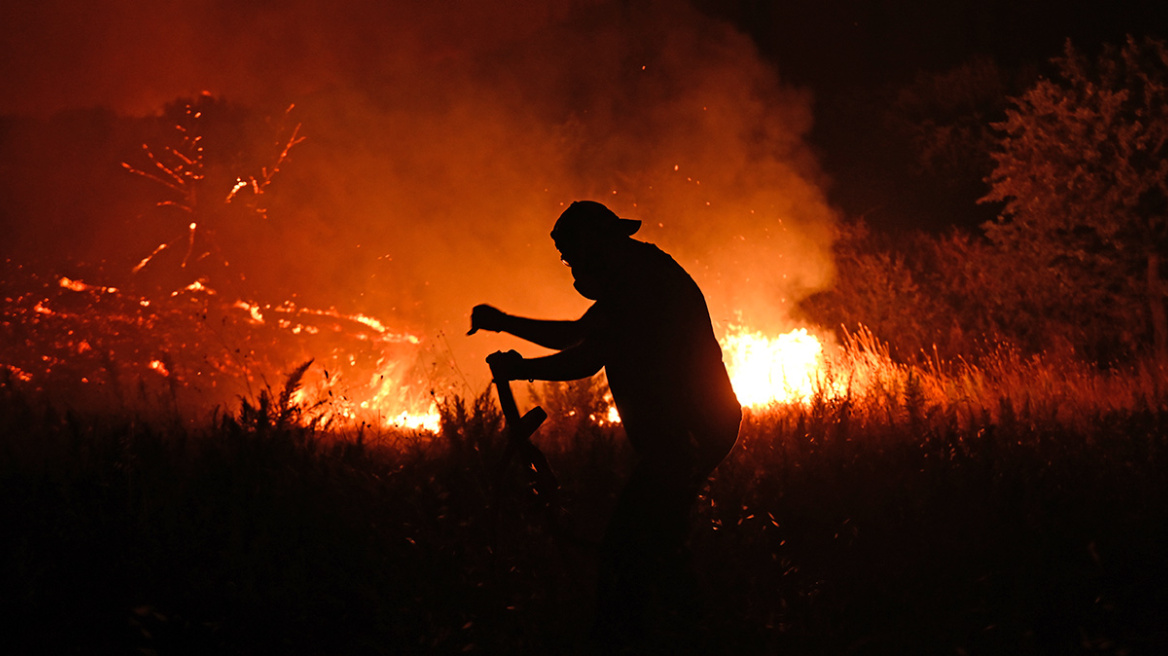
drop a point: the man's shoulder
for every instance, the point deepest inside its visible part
(658, 271)
(649, 256)
(649, 249)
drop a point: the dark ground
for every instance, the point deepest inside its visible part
(826, 532)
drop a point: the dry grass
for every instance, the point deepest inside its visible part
(1014, 507)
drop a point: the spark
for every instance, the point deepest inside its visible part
(146, 260)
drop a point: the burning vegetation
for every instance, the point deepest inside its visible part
(183, 333)
(193, 350)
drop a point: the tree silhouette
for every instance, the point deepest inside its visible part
(1082, 170)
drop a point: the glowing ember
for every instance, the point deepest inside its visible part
(612, 416)
(75, 285)
(196, 286)
(240, 183)
(252, 309)
(376, 325)
(764, 370)
(79, 286)
(146, 260)
(419, 422)
(17, 372)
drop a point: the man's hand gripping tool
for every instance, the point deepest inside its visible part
(519, 429)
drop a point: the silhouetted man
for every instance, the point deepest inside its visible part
(649, 328)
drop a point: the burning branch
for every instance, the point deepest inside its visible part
(183, 168)
(178, 168)
(260, 184)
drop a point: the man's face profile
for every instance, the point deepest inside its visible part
(582, 256)
(567, 253)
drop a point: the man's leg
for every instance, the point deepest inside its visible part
(644, 546)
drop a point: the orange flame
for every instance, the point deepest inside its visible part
(763, 370)
(788, 368)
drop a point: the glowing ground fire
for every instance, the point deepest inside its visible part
(365, 372)
(765, 370)
(787, 368)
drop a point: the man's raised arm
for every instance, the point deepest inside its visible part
(558, 335)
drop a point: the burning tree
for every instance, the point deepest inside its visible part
(206, 192)
(1082, 170)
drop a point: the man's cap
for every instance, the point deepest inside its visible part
(585, 216)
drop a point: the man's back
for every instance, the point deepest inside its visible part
(663, 362)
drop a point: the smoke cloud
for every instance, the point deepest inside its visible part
(443, 139)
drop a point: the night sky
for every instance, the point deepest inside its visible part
(856, 54)
(853, 55)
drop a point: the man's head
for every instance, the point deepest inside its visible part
(586, 224)
(586, 235)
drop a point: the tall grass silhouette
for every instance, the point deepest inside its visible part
(1016, 506)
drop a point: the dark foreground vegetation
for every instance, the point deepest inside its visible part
(839, 527)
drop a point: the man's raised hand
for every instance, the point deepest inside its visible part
(486, 317)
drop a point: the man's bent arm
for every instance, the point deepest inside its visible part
(581, 361)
